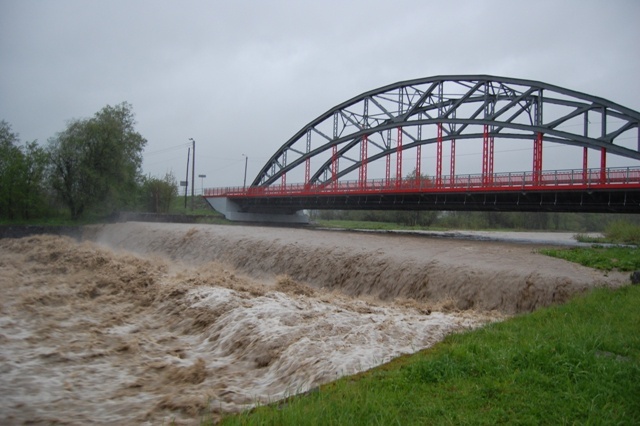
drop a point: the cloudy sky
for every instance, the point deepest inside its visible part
(241, 77)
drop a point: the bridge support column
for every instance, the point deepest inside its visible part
(399, 158)
(585, 164)
(283, 180)
(452, 169)
(387, 173)
(307, 163)
(334, 166)
(585, 151)
(603, 151)
(537, 159)
(603, 165)
(439, 157)
(487, 157)
(363, 161)
(418, 182)
(232, 211)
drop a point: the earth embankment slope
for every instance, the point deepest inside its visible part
(465, 274)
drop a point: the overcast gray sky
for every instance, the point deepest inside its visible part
(241, 77)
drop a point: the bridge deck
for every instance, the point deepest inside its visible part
(614, 190)
(591, 179)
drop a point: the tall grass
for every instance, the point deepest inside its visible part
(617, 232)
(573, 364)
(623, 232)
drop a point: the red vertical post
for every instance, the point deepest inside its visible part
(537, 159)
(363, 161)
(585, 164)
(490, 161)
(387, 176)
(334, 166)
(452, 166)
(485, 155)
(603, 165)
(307, 163)
(418, 165)
(307, 171)
(399, 158)
(439, 157)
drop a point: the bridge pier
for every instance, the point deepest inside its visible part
(233, 212)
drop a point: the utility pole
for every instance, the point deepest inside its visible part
(246, 160)
(186, 182)
(193, 172)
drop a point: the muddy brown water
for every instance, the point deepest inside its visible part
(149, 323)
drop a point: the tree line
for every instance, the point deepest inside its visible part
(552, 221)
(577, 222)
(92, 167)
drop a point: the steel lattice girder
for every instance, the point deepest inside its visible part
(511, 108)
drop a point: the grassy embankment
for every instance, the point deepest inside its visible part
(623, 257)
(576, 363)
(201, 210)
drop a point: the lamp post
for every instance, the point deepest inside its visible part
(202, 182)
(193, 172)
(186, 181)
(246, 160)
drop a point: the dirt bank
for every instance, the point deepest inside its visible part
(483, 275)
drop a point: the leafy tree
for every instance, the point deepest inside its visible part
(158, 194)
(402, 217)
(9, 161)
(22, 177)
(416, 218)
(95, 162)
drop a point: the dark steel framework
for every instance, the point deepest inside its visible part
(410, 114)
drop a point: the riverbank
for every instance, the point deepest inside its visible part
(155, 322)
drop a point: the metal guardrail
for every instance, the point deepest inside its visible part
(615, 177)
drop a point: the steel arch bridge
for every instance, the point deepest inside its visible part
(331, 157)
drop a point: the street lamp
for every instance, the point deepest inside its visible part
(193, 172)
(202, 182)
(246, 160)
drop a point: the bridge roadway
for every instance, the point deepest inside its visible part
(611, 190)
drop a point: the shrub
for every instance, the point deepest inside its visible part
(623, 232)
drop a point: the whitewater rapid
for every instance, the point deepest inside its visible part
(89, 335)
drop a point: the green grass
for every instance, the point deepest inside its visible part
(623, 259)
(200, 206)
(618, 232)
(363, 224)
(573, 364)
(623, 232)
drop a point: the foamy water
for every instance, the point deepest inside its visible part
(88, 335)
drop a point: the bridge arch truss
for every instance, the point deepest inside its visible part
(381, 124)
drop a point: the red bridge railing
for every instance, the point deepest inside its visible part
(610, 178)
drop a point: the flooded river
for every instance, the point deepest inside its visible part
(152, 323)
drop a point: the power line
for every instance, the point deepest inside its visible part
(171, 148)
